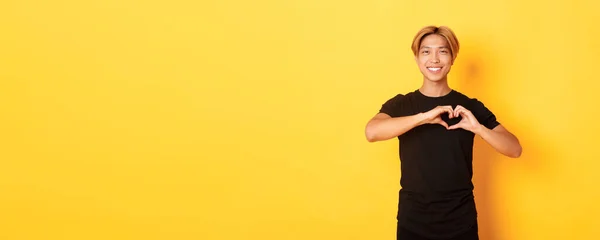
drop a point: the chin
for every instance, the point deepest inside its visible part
(435, 79)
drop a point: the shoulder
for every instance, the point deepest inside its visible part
(462, 96)
(399, 96)
(396, 98)
(403, 97)
(470, 102)
(413, 95)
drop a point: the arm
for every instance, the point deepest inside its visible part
(499, 138)
(383, 127)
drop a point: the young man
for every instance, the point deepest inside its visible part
(436, 126)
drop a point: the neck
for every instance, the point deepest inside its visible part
(435, 89)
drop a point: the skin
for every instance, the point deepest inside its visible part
(435, 60)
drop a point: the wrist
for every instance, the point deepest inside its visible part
(421, 117)
(478, 129)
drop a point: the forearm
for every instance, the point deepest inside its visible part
(384, 129)
(503, 141)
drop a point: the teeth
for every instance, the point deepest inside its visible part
(434, 69)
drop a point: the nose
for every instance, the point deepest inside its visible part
(435, 58)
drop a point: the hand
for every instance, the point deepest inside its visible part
(433, 116)
(468, 121)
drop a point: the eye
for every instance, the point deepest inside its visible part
(425, 51)
(444, 51)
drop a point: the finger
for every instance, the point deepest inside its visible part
(443, 109)
(457, 109)
(455, 126)
(465, 113)
(449, 110)
(461, 108)
(441, 122)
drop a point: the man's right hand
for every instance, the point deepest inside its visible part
(383, 127)
(434, 116)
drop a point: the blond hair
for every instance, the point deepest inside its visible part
(443, 31)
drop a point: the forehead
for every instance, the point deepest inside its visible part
(434, 40)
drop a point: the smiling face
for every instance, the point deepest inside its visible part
(434, 58)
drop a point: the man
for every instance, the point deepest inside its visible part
(436, 126)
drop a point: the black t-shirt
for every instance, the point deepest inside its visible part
(436, 199)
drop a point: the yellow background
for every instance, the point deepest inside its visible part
(125, 119)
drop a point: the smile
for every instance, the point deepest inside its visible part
(436, 69)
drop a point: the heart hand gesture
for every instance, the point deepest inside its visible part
(468, 121)
(434, 116)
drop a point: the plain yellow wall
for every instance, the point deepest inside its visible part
(233, 119)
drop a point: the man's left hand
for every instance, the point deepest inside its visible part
(468, 122)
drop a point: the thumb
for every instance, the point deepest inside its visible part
(441, 122)
(455, 126)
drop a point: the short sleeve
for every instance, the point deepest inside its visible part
(484, 115)
(392, 106)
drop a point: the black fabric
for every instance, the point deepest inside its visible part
(436, 199)
(471, 234)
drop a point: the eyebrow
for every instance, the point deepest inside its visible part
(432, 47)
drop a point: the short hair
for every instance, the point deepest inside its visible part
(443, 31)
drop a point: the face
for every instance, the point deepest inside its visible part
(434, 58)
